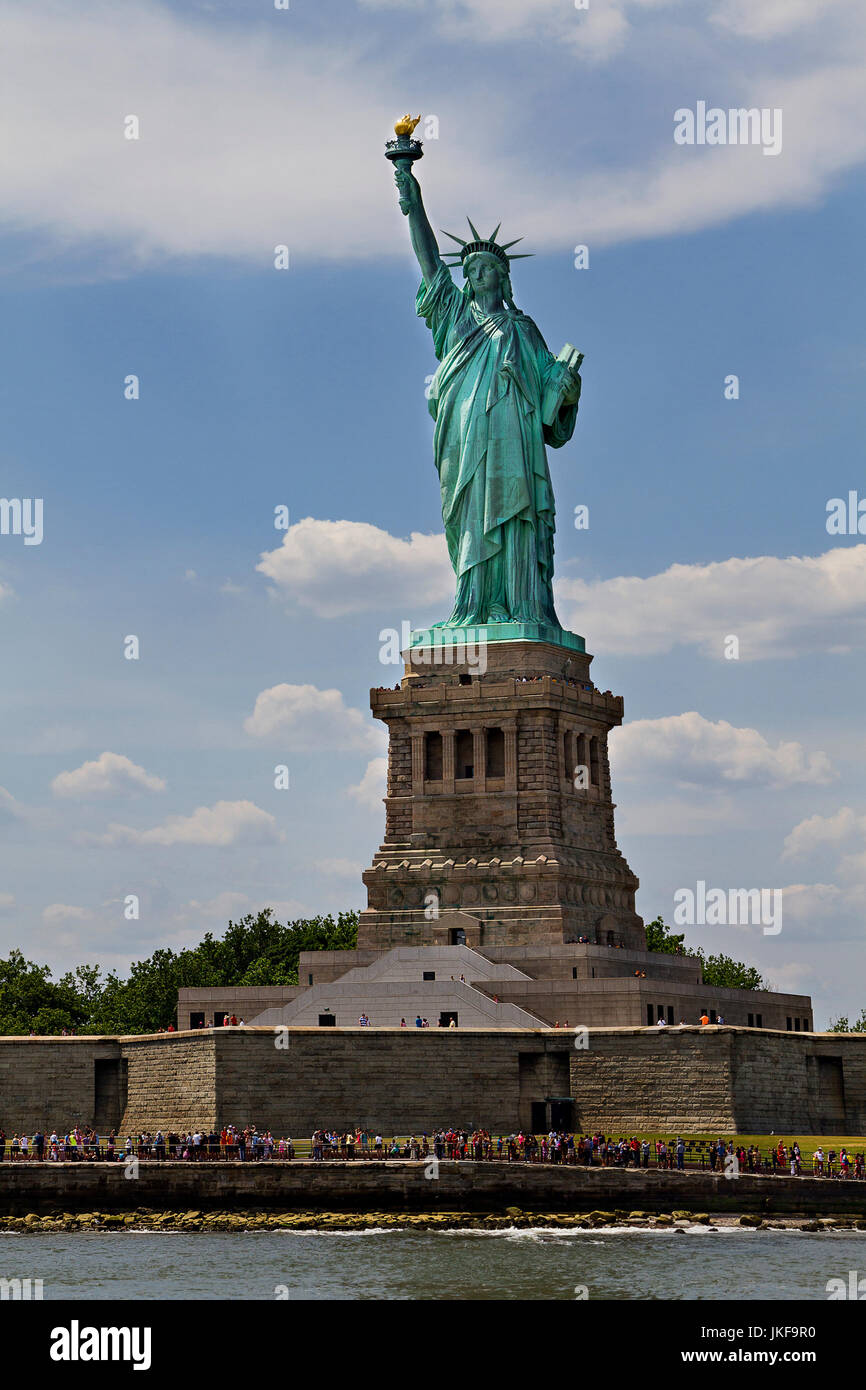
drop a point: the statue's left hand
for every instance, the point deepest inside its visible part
(571, 385)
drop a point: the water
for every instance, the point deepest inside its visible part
(612, 1263)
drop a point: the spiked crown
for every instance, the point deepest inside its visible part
(468, 248)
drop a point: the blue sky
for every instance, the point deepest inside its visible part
(305, 387)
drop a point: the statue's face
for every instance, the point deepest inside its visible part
(483, 272)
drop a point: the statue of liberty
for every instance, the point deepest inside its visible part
(498, 397)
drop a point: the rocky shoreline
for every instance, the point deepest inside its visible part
(513, 1218)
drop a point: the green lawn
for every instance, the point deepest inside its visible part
(808, 1142)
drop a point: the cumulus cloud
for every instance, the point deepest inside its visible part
(223, 824)
(64, 912)
(773, 19)
(338, 868)
(595, 33)
(336, 568)
(371, 788)
(775, 607)
(688, 749)
(599, 33)
(829, 910)
(224, 164)
(111, 774)
(793, 977)
(10, 809)
(804, 902)
(302, 717)
(227, 904)
(818, 832)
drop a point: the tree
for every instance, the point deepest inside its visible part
(725, 973)
(659, 937)
(29, 998)
(257, 950)
(841, 1025)
(720, 971)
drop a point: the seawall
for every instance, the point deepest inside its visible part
(406, 1186)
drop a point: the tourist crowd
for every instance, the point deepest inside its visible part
(250, 1144)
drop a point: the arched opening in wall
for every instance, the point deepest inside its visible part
(464, 754)
(594, 765)
(433, 757)
(583, 754)
(495, 753)
(568, 754)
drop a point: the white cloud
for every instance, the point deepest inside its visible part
(225, 164)
(829, 911)
(224, 906)
(338, 868)
(776, 607)
(688, 749)
(371, 788)
(340, 567)
(596, 32)
(819, 831)
(223, 824)
(792, 978)
(111, 774)
(10, 809)
(7, 900)
(775, 18)
(302, 717)
(806, 902)
(63, 912)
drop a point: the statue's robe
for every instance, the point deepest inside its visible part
(489, 446)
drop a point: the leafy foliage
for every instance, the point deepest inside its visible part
(841, 1025)
(659, 937)
(257, 950)
(720, 971)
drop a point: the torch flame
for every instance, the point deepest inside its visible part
(406, 125)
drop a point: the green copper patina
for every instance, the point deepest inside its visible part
(498, 398)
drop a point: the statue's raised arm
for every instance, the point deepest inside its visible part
(424, 242)
(403, 152)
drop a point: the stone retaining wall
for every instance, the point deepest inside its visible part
(399, 1080)
(401, 1186)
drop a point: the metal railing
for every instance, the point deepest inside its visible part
(696, 1156)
